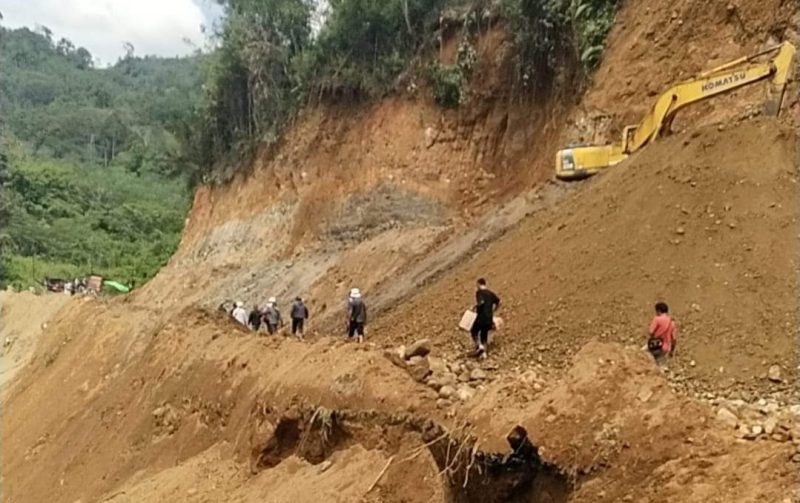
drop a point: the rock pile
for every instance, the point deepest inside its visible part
(773, 383)
(764, 419)
(452, 381)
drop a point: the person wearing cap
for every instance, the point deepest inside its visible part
(356, 315)
(239, 313)
(271, 316)
(299, 315)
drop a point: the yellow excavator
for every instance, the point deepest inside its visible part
(583, 161)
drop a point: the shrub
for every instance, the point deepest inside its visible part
(549, 33)
(447, 82)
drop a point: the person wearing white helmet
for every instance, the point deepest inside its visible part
(239, 313)
(272, 316)
(356, 315)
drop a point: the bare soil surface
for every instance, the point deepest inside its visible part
(705, 221)
(158, 396)
(23, 318)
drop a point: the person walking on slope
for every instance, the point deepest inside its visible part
(662, 334)
(356, 315)
(299, 315)
(255, 319)
(486, 302)
(239, 314)
(272, 316)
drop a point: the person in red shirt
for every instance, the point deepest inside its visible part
(662, 334)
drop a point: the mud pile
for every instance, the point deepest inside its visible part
(656, 44)
(207, 413)
(705, 221)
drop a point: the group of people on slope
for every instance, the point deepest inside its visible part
(661, 342)
(662, 331)
(268, 318)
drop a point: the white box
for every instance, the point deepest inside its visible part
(467, 320)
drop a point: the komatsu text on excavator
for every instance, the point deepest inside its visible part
(583, 161)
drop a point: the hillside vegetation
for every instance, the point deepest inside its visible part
(271, 61)
(96, 162)
(92, 168)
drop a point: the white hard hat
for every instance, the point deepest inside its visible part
(272, 300)
(355, 293)
(239, 303)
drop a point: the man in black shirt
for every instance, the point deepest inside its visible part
(485, 304)
(255, 319)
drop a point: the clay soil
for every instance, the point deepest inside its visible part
(158, 396)
(703, 221)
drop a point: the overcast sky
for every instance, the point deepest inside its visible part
(102, 26)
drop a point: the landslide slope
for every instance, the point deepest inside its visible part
(706, 221)
(153, 397)
(364, 193)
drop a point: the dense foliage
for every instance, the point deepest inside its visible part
(270, 62)
(549, 33)
(94, 158)
(92, 171)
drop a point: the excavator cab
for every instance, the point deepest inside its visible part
(581, 162)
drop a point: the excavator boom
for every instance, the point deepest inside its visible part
(728, 77)
(580, 162)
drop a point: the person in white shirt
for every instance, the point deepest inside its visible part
(239, 313)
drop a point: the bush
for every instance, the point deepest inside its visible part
(449, 82)
(250, 88)
(549, 33)
(365, 44)
(269, 62)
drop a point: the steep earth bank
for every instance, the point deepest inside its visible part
(206, 412)
(706, 221)
(158, 397)
(23, 318)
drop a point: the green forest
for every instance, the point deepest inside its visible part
(97, 164)
(91, 164)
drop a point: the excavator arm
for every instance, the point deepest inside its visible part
(580, 162)
(728, 77)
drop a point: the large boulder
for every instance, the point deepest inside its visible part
(419, 348)
(419, 369)
(774, 374)
(464, 392)
(727, 417)
(447, 392)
